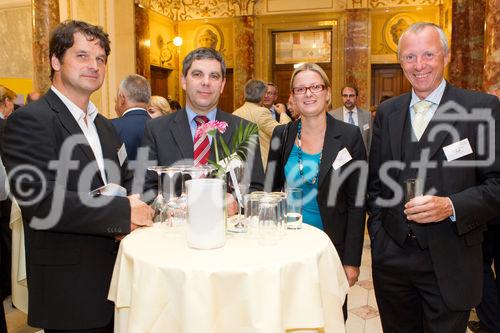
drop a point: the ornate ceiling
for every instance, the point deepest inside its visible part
(181, 10)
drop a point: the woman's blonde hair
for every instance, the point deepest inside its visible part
(309, 66)
(6, 93)
(161, 103)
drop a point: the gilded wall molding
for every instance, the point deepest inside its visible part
(182, 10)
(400, 3)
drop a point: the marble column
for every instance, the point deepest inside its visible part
(243, 56)
(467, 44)
(491, 77)
(357, 54)
(142, 42)
(45, 19)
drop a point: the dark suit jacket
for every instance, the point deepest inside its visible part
(70, 257)
(169, 141)
(343, 221)
(130, 128)
(455, 247)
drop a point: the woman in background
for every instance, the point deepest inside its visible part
(7, 98)
(158, 106)
(310, 156)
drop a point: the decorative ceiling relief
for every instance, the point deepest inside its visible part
(399, 3)
(181, 10)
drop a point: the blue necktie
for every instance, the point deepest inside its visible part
(351, 119)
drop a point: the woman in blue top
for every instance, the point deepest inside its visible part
(324, 157)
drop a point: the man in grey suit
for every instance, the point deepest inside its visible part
(351, 114)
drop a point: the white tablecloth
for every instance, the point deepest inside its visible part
(161, 285)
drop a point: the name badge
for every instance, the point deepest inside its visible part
(366, 127)
(457, 150)
(122, 154)
(342, 158)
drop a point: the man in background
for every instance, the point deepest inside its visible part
(131, 105)
(33, 96)
(254, 112)
(270, 98)
(353, 115)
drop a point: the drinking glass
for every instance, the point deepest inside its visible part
(281, 198)
(251, 201)
(294, 208)
(268, 221)
(159, 203)
(172, 204)
(412, 188)
(236, 185)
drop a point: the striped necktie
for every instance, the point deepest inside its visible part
(201, 144)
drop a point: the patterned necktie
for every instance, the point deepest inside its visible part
(420, 120)
(201, 144)
(351, 119)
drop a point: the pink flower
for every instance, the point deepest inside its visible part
(211, 128)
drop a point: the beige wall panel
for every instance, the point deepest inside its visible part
(269, 7)
(16, 55)
(121, 62)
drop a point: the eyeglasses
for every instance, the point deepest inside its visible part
(348, 95)
(314, 89)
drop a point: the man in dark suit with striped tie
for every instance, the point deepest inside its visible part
(171, 139)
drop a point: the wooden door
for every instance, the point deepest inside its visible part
(388, 80)
(159, 81)
(226, 101)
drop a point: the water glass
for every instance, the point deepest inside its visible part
(294, 208)
(251, 202)
(281, 199)
(268, 221)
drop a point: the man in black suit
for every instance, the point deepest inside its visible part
(56, 150)
(171, 138)
(131, 102)
(426, 253)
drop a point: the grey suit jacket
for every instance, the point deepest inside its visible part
(365, 123)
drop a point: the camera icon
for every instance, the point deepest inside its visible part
(448, 115)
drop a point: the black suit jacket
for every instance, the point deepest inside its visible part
(70, 257)
(130, 128)
(169, 141)
(343, 220)
(455, 247)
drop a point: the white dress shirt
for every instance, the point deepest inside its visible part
(86, 122)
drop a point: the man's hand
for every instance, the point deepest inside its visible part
(280, 108)
(141, 215)
(232, 205)
(428, 209)
(352, 274)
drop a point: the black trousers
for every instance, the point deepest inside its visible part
(489, 309)
(3, 323)
(108, 329)
(407, 292)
